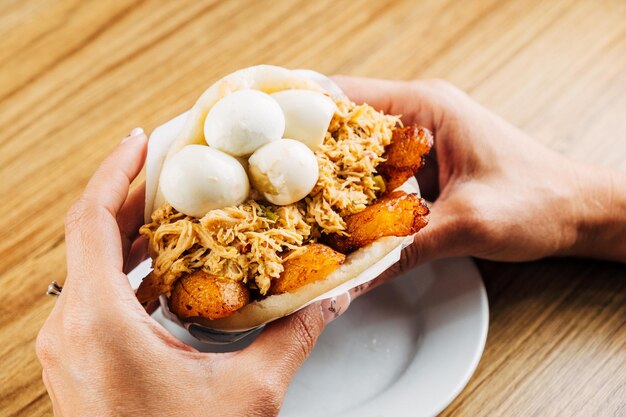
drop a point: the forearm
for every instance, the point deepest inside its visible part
(601, 223)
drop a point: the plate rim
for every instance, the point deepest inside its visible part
(479, 308)
(478, 354)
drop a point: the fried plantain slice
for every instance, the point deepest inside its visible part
(201, 294)
(397, 214)
(315, 262)
(404, 156)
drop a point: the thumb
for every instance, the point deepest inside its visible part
(430, 243)
(286, 343)
(441, 238)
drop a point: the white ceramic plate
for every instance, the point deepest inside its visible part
(406, 349)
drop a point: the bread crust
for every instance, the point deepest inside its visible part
(277, 306)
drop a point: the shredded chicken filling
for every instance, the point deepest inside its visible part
(353, 147)
(246, 243)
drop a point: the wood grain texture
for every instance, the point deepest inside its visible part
(76, 76)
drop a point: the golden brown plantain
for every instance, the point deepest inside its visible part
(314, 263)
(404, 156)
(396, 214)
(201, 294)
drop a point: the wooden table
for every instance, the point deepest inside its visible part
(76, 76)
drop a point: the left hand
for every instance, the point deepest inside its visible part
(497, 193)
(102, 354)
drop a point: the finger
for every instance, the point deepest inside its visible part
(286, 343)
(363, 289)
(417, 101)
(443, 237)
(422, 102)
(93, 239)
(108, 187)
(130, 216)
(103, 198)
(389, 274)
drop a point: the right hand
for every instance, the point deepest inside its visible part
(497, 193)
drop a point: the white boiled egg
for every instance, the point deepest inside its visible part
(198, 179)
(243, 121)
(307, 115)
(284, 171)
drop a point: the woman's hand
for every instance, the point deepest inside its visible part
(497, 193)
(102, 354)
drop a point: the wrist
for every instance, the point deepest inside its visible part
(600, 214)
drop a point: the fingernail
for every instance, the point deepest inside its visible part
(335, 307)
(133, 134)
